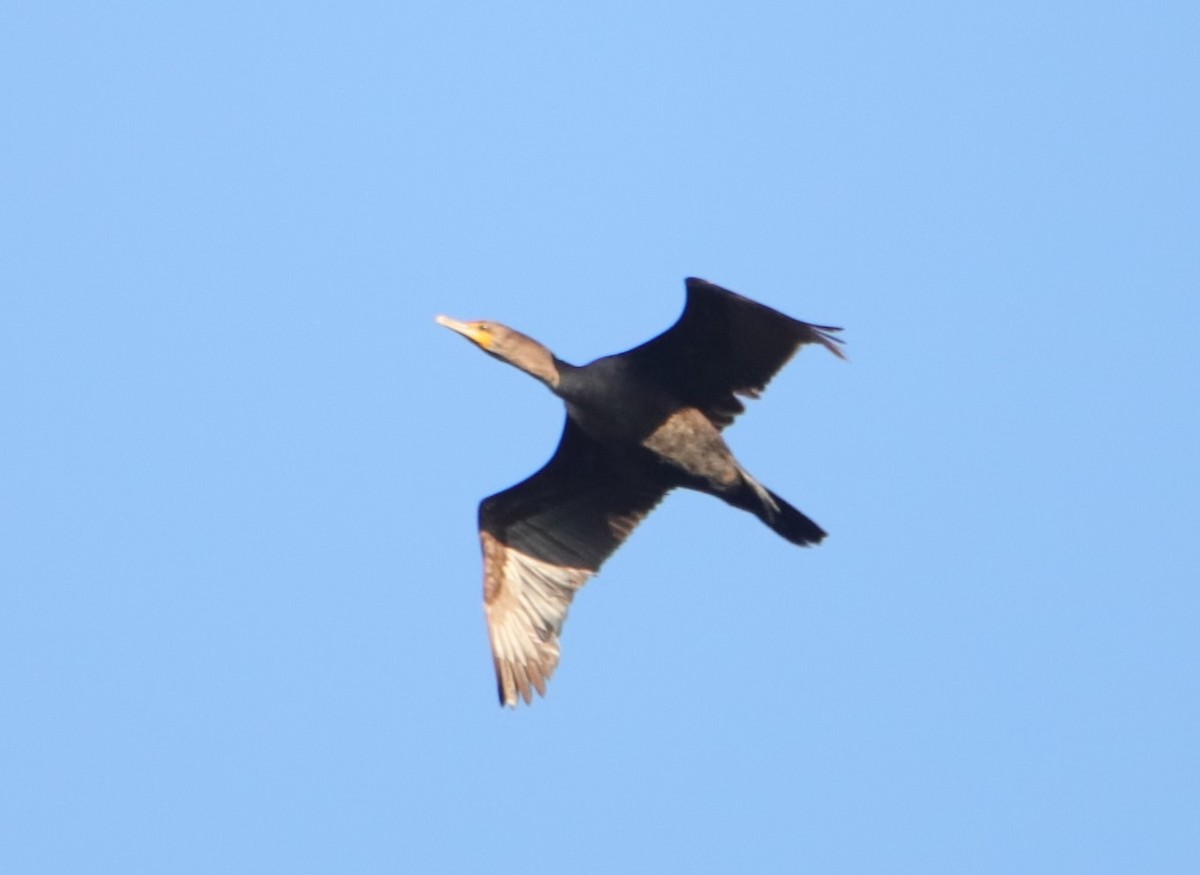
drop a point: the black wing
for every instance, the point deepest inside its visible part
(724, 345)
(542, 540)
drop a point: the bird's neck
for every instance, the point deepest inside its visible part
(537, 361)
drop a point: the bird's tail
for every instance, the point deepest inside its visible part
(784, 520)
(790, 523)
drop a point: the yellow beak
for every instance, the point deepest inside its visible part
(470, 330)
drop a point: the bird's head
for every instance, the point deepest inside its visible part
(491, 337)
(507, 345)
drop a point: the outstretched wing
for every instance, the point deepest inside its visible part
(542, 540)
(723, 346)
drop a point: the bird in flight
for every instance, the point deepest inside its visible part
(638, 425)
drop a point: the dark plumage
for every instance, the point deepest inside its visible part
(638, 425)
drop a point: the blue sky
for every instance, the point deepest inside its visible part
(240, 622)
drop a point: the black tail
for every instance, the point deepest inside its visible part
(784, 520)
(789, 523)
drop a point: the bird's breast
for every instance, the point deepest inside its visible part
(623, 423)
(612, 402)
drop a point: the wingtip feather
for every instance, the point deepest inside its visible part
(822, 334)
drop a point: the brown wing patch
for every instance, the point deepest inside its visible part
(691, 441)
(526, 601)
(544, 538)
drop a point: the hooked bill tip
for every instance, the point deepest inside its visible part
(454, 325)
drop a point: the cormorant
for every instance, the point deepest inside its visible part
(638, 425)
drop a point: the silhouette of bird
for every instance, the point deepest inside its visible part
(638, 425)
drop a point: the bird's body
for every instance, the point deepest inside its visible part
(638, 425)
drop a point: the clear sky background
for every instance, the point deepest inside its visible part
(240, 620)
